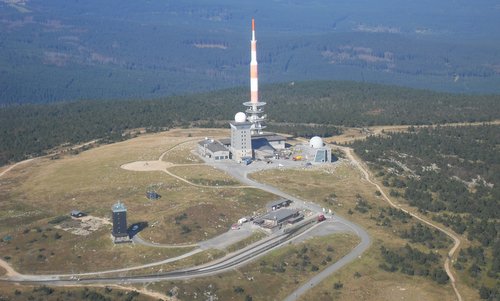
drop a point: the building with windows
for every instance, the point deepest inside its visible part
(241, 138)
(213, 149)
(119, 218)
(278, 217)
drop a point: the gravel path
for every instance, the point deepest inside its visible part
(350, 155)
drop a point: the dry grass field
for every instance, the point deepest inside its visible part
(271, 277)
(204, 175)
(195, 214)
(45, 250)
(363, 280)
(183, 153)
(33, 195)
(36, 193)
(338, 187)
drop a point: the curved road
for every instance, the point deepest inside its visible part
(227, 263)
(224, 264)
(240, 174)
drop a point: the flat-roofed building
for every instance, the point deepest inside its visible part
(277, 217)
(213, 149)
(275, 140)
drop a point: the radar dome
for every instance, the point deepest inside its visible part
(316, 142)
(240, 117)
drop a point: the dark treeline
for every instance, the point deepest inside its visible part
(416, 233)
(356, 104)
(442, 161)
(431, 238)
(55, 293)
(455, 173)
(32, 129)
(305, 130)
(411, 261)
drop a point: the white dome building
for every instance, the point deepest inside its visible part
(317, 151)
(240, 117)
(316, 142)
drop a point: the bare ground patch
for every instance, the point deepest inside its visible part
(146, 166)
(83, 226)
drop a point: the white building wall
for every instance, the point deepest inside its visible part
(241, 140)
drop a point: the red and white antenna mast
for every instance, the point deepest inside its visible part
(254, 77)
(254, 106)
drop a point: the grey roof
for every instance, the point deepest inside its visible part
(225, 141)
(296, 219)
(278, 202)
(270, 137)
(262, 144)
(213, 145)
(280, 214)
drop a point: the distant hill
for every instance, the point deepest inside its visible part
(301, 108)
(65, 50)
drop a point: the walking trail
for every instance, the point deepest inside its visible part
(456, 240)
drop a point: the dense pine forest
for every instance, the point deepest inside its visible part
(452, 173)
(303, 109)
(63, 50)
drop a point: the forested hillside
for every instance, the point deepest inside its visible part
(64, 50)
(301, 108)
(453, 172)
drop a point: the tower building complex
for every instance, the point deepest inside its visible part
(248, 140)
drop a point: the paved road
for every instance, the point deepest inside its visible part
(241, 174)
(139, 240)
(224, 264)
(318, 278)
(56, 277)
(219, 242)
(229, 262)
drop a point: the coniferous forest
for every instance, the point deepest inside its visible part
(63, 50)
(304, 109)
(453, 174)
